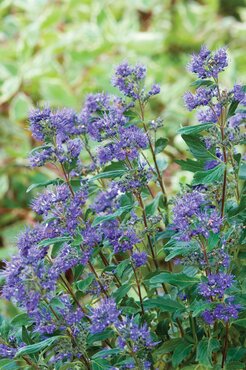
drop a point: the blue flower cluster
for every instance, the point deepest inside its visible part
(194, 216)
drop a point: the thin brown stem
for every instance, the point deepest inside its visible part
(159, 176)
(224, 352)
(67, 179)
(97, 278)
(139, 288)
(31, 363)
(203, 248)
(71, 292)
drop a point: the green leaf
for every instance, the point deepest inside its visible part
(122, 267)
(181, 351)
(20, 320)
(160, 144)
(205, 349)
(240, 322)
(168, 346)
(33, 348)
(191, 130)
(180, 280)
(191, 165)
(233, 106)
(121, 292)
(178, 248)
(108, 175)
(100, 364)
(209, 176)
(92, 338)
(199, 83)
(106, 352)
(6, 364)
(199, 306)
(242, 171)
(151, 208)
(60, 239)
(100, 219)
(164, 304)
(198, 148)
(82, 285)
(44, 184)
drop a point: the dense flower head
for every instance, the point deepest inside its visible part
(7, 351)
(139, 258)
(238, 119)
(61, 210)
(135, 179)
(201, 97)
(47, 199)
(239, 94)
(155, 89)
(60, 123)
(106, 200)
(104, 315)
(223, 311)
(193, 215)
(129, 141)
(102, 115)
(129, 78)
(131, 332)
(209, 115)
(120, 239)
(208, 64)
(216, 285)
(39, 157)
(67, 258)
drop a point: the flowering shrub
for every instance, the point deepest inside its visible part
(115, 276)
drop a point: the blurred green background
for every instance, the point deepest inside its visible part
(58, 51)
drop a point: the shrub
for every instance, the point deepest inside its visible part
(116, 275)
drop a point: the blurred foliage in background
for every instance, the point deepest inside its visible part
(58, 51)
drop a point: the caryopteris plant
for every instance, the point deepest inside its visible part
(116, 275)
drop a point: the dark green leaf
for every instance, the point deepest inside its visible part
(100, 219)
(180, 280)
(6, 364)
(151, 208)
(191, 165)
(21, 319)
(199, 83)
(199, 307)
(61, 239)
(44, 184)
(121, 292)
(108, 175)
(107, 352)
(209, 176)
(164, 304)
(82, 285)
(180, 353)
(178, 248)
(33, 348)
(242, 171)
(100, 364)
(240, 322)
(92, 338)
(168, 346)
(232, 108)
(160, 145)
(205, 349)
(191, 130)
(197, 147)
